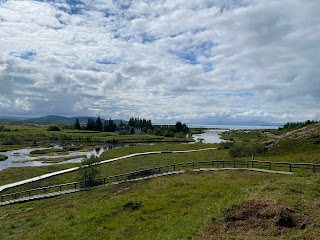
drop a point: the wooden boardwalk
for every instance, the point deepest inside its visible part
(34, 179)
(59, 193)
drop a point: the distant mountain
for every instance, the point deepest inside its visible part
(6, 118)
(62, 119)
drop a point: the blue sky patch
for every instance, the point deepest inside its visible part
(95, 70)
(25, 55)
(190, 54)
(105, 62)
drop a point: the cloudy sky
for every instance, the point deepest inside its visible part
(203, 61)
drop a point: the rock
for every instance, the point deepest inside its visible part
(133, 205)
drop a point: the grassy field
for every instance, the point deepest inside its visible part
(20, 135)
(176, 207)
(113, 168)
(210, 205)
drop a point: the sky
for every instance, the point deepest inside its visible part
(204, 61)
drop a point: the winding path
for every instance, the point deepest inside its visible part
(34, 179)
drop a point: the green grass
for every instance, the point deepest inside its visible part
(175, 207)
(20, 135)
(15, 174)
(3, 157)
(120, 166)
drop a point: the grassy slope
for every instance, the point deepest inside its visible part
(117, 167)
(176, 207)
(302, 145)
(173, 208)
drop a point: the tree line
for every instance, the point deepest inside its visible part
(107, 126)
(144, 126)
(290, 126)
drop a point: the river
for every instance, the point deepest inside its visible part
(209, 136)
(213, 134)
(23, 154)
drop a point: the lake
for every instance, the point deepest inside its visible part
(212, 135)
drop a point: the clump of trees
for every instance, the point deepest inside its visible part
(145, 126)
(178, 130)
(107, 126)
(290, 126)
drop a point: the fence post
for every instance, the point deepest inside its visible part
(223, 164)
(104, 181)
(193, 165)
(75, 186)
(60, 188)
(252, 165)
(269, 165)
(314, 168)
(15, 196)
(234, 164)
(1, 198)
(117, 178)
(290, 167)
(174, 167)
(212, 163)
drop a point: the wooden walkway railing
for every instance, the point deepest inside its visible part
(74, 186)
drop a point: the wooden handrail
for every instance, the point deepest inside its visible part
(151, 171)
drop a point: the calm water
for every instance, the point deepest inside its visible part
(23, 154)
(209, 136)
(212, 135)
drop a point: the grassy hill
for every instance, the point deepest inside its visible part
(188, 206)
(300, 140)
(194, 205)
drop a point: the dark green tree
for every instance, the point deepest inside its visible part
(98, 125)
(179, 127)
(90, 124)
(132, 131)
(77, 124)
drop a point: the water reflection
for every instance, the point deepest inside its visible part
(209, 136)
(23, 154)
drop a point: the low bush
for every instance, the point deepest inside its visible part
(53, 128)
(3, 157)
(246, 149)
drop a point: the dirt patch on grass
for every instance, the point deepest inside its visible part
(257, 219)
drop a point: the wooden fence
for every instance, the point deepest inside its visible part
(282, 166)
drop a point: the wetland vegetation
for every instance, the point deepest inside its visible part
(195, 205)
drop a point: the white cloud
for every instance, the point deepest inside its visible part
(165, 60)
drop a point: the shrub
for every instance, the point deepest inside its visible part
(3, 157)
(53, 128)
(246, 150)
(225, 145)
(89, 170)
